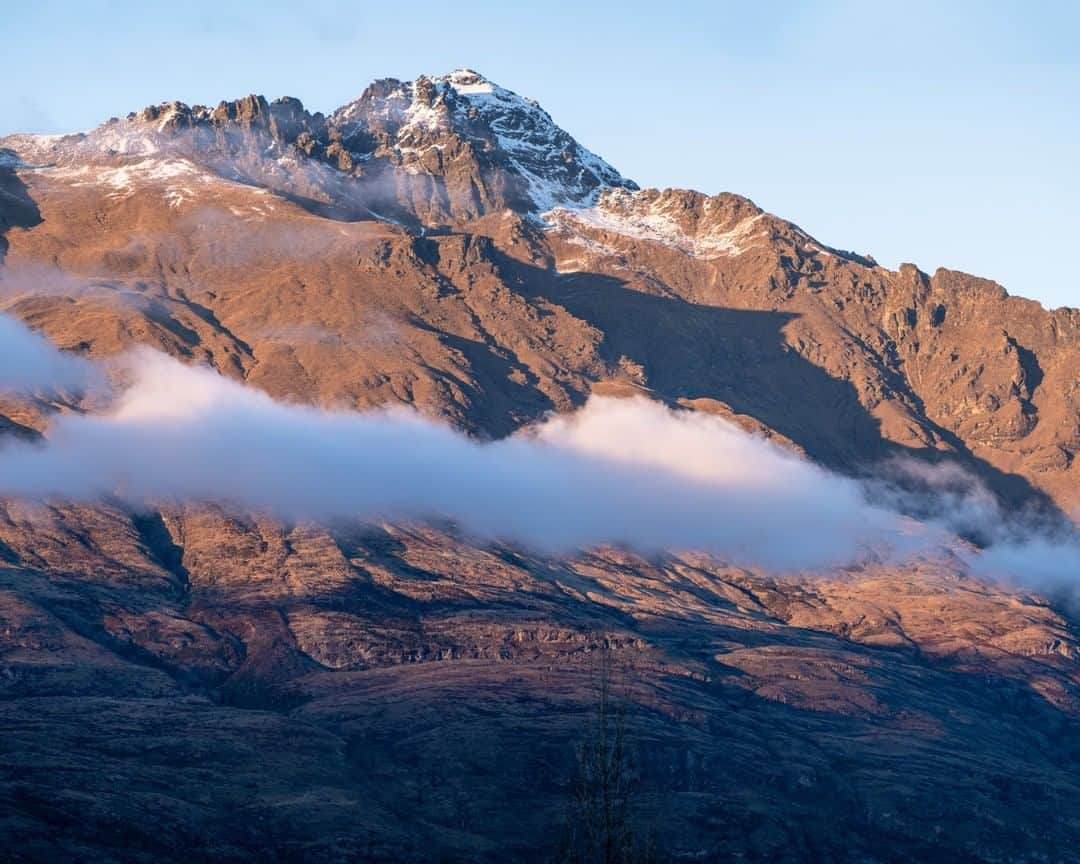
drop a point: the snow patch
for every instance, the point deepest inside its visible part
(627, 214)
(468, 82)
(177, 195)
(178, 176)
(420, 116)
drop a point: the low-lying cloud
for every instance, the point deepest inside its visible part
(618, 471)
(30, 363)
(1028, 549)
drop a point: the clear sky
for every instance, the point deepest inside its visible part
(943, 133)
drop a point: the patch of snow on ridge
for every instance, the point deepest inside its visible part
(177, 175)
(125, 139)
(633, 215)
(419, 115)
(467, 82)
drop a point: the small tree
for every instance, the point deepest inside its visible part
(599, 825)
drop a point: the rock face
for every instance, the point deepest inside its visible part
(197, 684)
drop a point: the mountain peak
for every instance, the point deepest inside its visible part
(434, 150)
(511, 132)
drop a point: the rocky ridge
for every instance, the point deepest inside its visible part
(436, 149)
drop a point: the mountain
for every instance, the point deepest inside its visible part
(195, 683)
(431, 151)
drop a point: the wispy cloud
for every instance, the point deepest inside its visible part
(30, 363)
(618, 471)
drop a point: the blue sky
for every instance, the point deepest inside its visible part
(940, 133)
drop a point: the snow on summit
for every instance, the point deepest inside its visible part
(557, 168)
(509, 128)
(446, 147)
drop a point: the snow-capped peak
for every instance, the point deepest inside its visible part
(435, 150)
(512, 132)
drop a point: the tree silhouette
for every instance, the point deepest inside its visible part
(600, 817)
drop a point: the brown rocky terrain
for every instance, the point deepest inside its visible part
(199, 684)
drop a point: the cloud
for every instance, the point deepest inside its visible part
(28, 281)
(943, 492)
(619, 471)
(29, 363)
(1026, 550)
(1041, 562)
